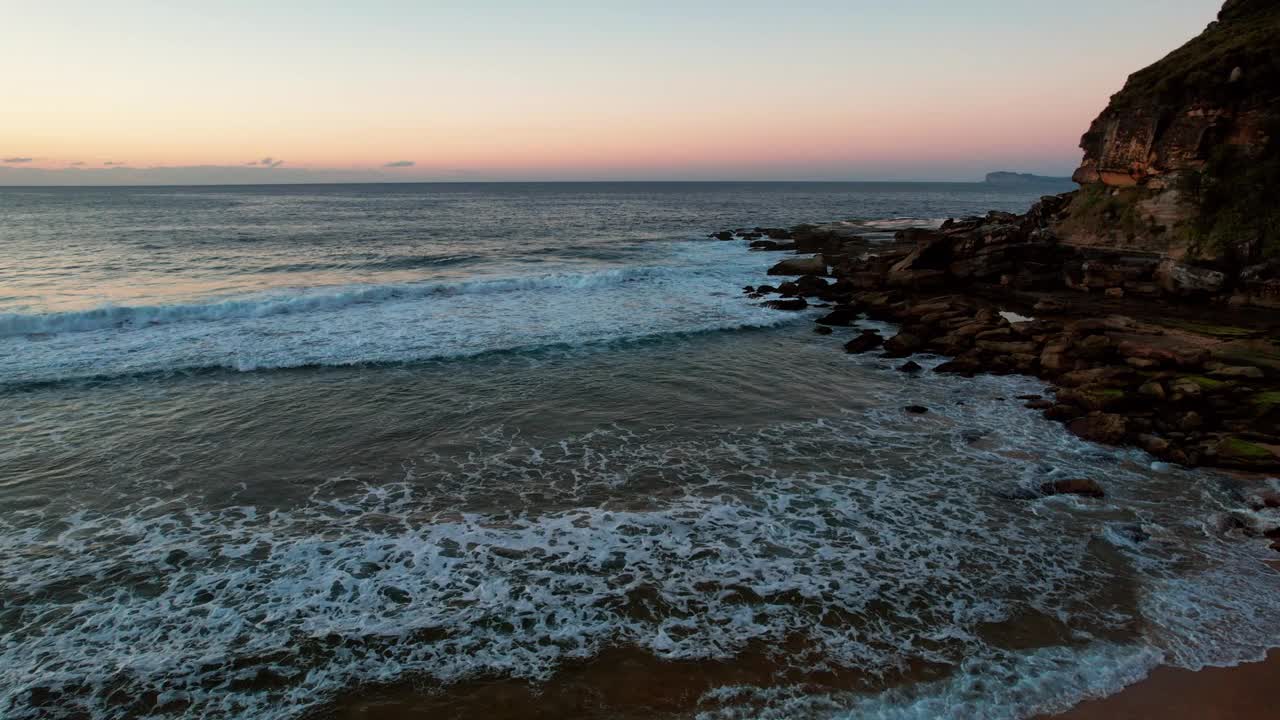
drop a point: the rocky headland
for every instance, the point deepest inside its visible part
(1146, 297)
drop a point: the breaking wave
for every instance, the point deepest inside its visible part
(395, 323)
(124, 317)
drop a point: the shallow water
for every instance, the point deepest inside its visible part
(637, 495)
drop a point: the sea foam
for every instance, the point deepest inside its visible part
(698, 290)
(868, 542)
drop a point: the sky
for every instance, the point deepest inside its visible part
(175, 91)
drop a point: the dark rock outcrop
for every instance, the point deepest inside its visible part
(866, 342)
(815, 265)
(1083, 487)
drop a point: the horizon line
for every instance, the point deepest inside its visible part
(1039, 180)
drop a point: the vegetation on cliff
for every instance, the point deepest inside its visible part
(1247, 36)
(1235, 192)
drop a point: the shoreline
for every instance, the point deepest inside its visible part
(1163, 374)
(1000, 295)
(1241, 692)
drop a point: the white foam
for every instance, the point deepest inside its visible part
(894, 527)
(698, 291)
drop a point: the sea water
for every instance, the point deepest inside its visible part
(416, 450)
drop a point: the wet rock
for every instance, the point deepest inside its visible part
(840, 317)
(1063, 413)
(1039, 404)
(811, 285)
(1153, 444)
(1189, 422)
(1187, 387)
(1007, 348)
(766, 289)
(1050, 306)
(910, 367)
(966, 365)
(869, 340)
(1142, 363)
(1082, 487)
(1152, 389)
(792, 305)
(1106, 376)
(822, 330)
(1054, 356)
(772, 246)
(902, 345)
(916, 409)
(1094, 347)
(1238, 452)
(815, 265)
(1100, 427)
(723, 235)
(1232, 373)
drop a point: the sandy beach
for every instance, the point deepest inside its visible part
(1245, 692)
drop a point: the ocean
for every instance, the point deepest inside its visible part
(527, 451)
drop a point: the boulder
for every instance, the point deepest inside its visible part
(966, 364)
(869, 340)
(1245, 454)
(1106, 428)
(1232, 373)
(910, 367)
(772, 246)
(1152, 389)
(1063, 413)
(815, 265)
(902, 345)
(811, 285)
(1153, 444)
(1176, 278)
(1093, 397)
(916, 409)
(840, 317)
(822, 330)
(1050, 306)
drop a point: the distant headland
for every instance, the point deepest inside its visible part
(1014, 178)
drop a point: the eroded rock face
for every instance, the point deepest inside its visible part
(1174, 166)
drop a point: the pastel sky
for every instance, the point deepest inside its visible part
(392, 89)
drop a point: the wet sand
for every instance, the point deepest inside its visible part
(1246, 692)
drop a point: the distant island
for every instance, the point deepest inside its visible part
(1013, 178)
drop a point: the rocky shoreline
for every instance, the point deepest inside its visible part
(995, 295)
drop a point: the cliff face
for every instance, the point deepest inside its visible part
(1184, 163)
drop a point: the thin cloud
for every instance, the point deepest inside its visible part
(18, 160)
(399, 163)
(112, 163)
(77, 163)
(270, 162)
